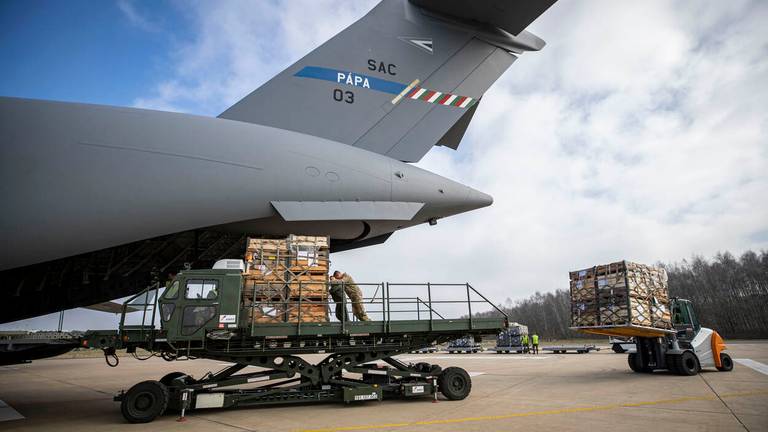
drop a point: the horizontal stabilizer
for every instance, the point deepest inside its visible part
(293, 211)
(510, 16)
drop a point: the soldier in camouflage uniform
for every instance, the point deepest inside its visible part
(343, 283)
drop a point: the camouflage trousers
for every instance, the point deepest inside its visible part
(355, 298)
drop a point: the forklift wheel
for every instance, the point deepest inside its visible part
(636, 363)
(145, 401)
(688, 364)
(672, 363)
(455, 383)
(726, 363)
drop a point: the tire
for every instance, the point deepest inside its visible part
(672, 365)
(618, 349)
(688, 364)
(636, 363)
(144, 402)
(455, 383)
(726, 362)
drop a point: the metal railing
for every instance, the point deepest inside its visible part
(147, 300)
(382, 304)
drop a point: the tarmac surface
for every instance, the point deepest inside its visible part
(595, 392)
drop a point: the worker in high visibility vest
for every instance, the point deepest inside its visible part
(525, 343)
(535, 341)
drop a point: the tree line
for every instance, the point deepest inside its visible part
(729, 295)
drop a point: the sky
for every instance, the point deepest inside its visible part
(639, 132)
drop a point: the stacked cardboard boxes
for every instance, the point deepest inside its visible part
(286, 280)
(620, 294)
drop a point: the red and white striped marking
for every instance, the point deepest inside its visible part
(440, 98)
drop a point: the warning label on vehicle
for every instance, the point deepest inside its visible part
(372, 396)
(227, 319)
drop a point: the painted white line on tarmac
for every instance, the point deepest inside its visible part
(474, 374)
(7, 413)
(473, 357)
(760, 367)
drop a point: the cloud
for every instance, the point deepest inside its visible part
(239, 45)
(135, 18)
(639, 132)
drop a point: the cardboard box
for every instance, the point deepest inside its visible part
(620, 294)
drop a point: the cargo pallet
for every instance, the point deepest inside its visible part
(461, 350)
(578, 349)
(425, 350)
(500, 349)
(353, 347)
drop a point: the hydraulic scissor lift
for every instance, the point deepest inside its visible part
(360, 364)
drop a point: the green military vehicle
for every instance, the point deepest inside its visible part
(203, 315)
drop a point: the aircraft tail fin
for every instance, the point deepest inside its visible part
(407, 76)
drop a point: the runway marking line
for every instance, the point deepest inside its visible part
(754, 365)
(538, 413)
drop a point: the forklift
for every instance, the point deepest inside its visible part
(685, 350)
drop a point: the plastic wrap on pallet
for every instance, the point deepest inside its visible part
(512, 336)
(620, 294)
(282, 273)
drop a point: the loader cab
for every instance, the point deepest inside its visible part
(200, 301)
(684, 319)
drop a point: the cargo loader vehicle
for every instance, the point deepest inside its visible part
(203, 314)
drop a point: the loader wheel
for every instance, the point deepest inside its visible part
(144, 402)
(618, 349)
(726, 362)
(455, 383)
(688, 364)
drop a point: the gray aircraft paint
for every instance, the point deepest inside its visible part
(113, 175)
(100, 201)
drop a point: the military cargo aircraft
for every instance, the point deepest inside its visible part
(99, 201)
